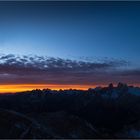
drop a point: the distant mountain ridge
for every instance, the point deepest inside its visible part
(107, 112)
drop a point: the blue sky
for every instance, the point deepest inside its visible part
(95, 29)
(72, 30)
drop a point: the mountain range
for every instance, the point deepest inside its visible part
(102, 112)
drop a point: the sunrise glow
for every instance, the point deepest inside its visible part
(26, 87)
(73, 45)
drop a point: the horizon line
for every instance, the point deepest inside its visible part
(16, 88)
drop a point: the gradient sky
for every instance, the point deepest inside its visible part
(100, 39)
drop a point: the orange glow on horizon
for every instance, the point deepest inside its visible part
(26, 87)
(12, 88)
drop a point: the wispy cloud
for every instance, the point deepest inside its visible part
(50, 70)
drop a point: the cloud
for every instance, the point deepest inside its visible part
(131, 72)
(50, 70)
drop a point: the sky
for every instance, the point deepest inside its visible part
(68, 44)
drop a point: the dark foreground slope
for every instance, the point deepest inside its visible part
(111, 112)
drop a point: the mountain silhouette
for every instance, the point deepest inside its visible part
(103, 112)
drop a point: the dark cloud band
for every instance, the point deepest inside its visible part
(50, 70)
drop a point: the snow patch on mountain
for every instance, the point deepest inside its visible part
(134, 90)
